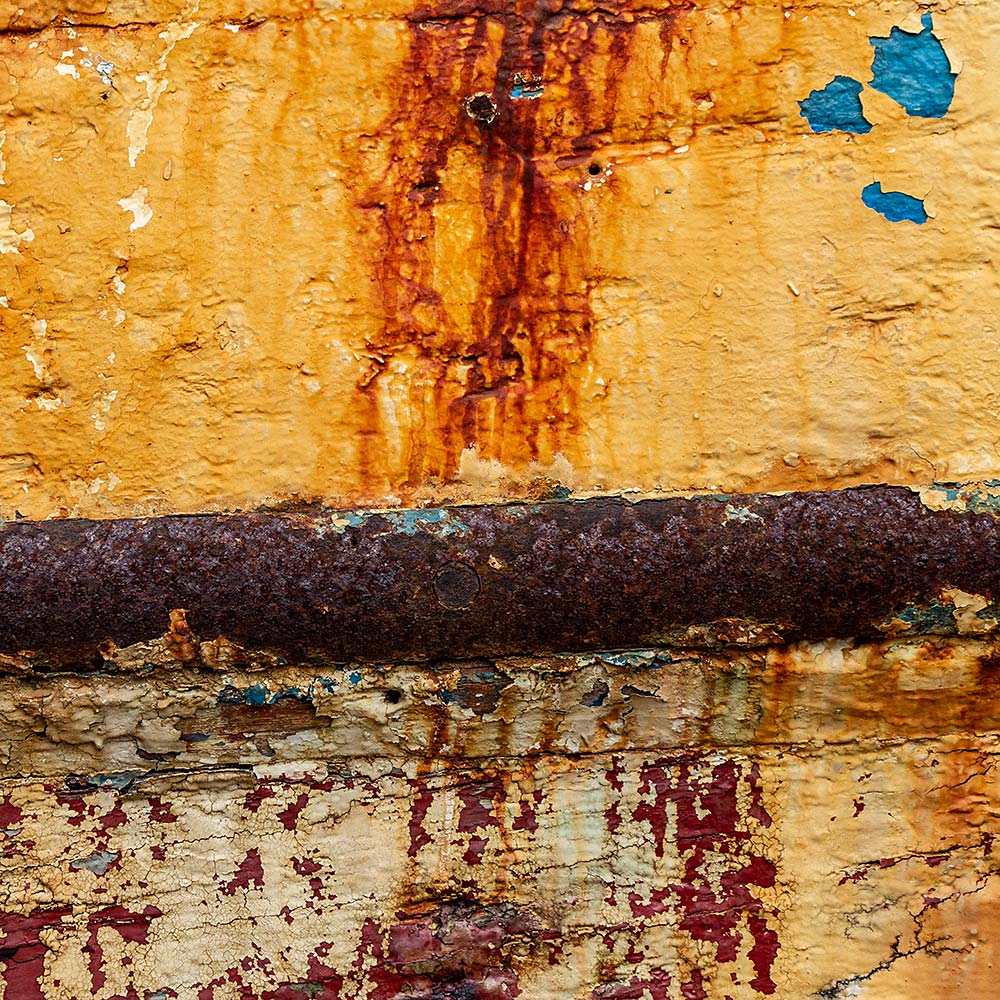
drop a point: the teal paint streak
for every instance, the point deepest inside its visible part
(438, 521)
(435, 520)
(973, 498)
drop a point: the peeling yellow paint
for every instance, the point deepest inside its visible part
(734, 318)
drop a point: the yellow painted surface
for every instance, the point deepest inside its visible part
(258, 253)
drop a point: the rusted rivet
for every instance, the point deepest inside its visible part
(480, 107)
(456, 585)
(594, 169)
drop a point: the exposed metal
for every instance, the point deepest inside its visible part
(474, 581)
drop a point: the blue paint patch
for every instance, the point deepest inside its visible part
(526, 88)
(354, 677)
(894, 205)
(292, 692)
(913, 70)
(836, 108)
(439, 521)
(256, 694)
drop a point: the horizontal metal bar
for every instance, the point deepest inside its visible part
(490, 580)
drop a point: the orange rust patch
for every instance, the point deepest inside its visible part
(492, 356)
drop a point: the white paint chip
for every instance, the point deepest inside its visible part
(136, 204)
(10, 240)
(155, 81)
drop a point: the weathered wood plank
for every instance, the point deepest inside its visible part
(807, 821)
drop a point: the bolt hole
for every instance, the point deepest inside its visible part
(594, 169)
(393, 697)
(456, 586)
(481, 108)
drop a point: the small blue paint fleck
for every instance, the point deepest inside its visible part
(529, 88)
(913, 70)
(354, 677)
(894, 205)
(836, 108)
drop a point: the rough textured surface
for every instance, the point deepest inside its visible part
(816, 820)
(256, 250)
(310, 255)
(523, 578)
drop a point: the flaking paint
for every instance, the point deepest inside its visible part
(349, 291)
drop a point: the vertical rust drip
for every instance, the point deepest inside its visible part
(507, 381)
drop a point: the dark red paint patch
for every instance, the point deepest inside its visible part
(762, 954)
(115, 818)
(250, 872)
(289, 816)
(456, 951)
(694, 806)
(528, 818)
(22, 952)
(11, 816)
(419, 807)
(131, 926)
(656, 985)
(255, 798)
(160, 812)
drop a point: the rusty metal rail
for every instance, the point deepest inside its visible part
(525, 578)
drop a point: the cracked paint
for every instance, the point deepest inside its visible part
(677, 851)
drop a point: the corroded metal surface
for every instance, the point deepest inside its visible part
(603, 573)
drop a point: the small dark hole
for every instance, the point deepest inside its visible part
(393, 696)
(481, 107)
(594, 169)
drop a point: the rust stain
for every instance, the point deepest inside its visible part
(493, 348)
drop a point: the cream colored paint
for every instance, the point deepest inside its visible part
(863, 776)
